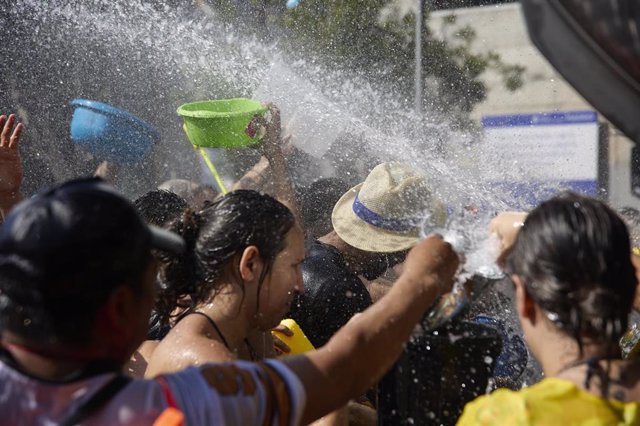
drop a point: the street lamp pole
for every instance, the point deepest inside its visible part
(418, 59)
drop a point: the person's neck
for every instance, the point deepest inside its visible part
(351, 255)
(49, 363)
(561, 351)
(228, 312)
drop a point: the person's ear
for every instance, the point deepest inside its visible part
(251, 264)
(116, 322)
(524, 303)
(119, 311)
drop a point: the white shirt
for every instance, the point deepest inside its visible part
(242, 394)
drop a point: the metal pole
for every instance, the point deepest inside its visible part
(418, 58)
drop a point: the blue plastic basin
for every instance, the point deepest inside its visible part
(111, 134)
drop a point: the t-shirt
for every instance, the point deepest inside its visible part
(550, 402)
(332, 294)
(242, 393)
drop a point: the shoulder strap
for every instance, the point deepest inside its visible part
(166, 391)
(97, 401)
(171, 416)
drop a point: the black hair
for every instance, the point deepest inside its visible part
(573, 256)
(214, 237)
(159, 207)
(317, 202)
(78, 248)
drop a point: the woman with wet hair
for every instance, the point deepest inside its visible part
(574, 285)
(237, 280)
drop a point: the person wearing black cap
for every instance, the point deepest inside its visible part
(77, 284)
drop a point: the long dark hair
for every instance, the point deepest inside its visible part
(573, 256)
(214, 237)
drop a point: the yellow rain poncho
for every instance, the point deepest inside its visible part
(549, 402)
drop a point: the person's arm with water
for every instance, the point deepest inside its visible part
(506, 226)
(255, 178)
(260, 176)
(10, 164)
(272, 146)
(321, 381)
(359, 354)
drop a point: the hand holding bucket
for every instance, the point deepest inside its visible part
(295, 338)
(223, 123)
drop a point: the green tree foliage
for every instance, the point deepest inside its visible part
(354, 36)
(357, 37)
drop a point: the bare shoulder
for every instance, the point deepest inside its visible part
(139, 361)
(181, 349)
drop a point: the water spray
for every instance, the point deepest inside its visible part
(477, 273)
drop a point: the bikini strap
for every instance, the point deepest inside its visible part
(214, 325)
(252, 352)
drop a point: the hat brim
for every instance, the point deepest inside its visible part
(164, 240)
(359, 234)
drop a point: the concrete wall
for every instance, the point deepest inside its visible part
(502, 29)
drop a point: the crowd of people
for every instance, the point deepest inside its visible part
(160, 310)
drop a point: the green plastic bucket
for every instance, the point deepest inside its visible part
(221, 123)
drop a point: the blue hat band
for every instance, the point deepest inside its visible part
(374, 219)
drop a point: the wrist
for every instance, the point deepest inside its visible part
(427, 286)
(275, 157)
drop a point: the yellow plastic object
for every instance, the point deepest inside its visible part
(298, 343)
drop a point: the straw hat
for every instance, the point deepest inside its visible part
(385, 213)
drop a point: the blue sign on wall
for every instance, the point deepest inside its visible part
(533, 156)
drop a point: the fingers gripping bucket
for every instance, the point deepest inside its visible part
(222, 123)
(110, 133)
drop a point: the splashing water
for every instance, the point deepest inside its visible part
(150, 57)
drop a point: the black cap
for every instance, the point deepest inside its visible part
(80, 228)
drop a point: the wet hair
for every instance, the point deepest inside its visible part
(159, 207)
(572, 255)
(216, 236)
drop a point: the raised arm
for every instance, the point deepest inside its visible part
(364, 349)
(10, 164)
(506, 226)
(255, 178)
(272, 146)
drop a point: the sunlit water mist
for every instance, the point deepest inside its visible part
(149, 58)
